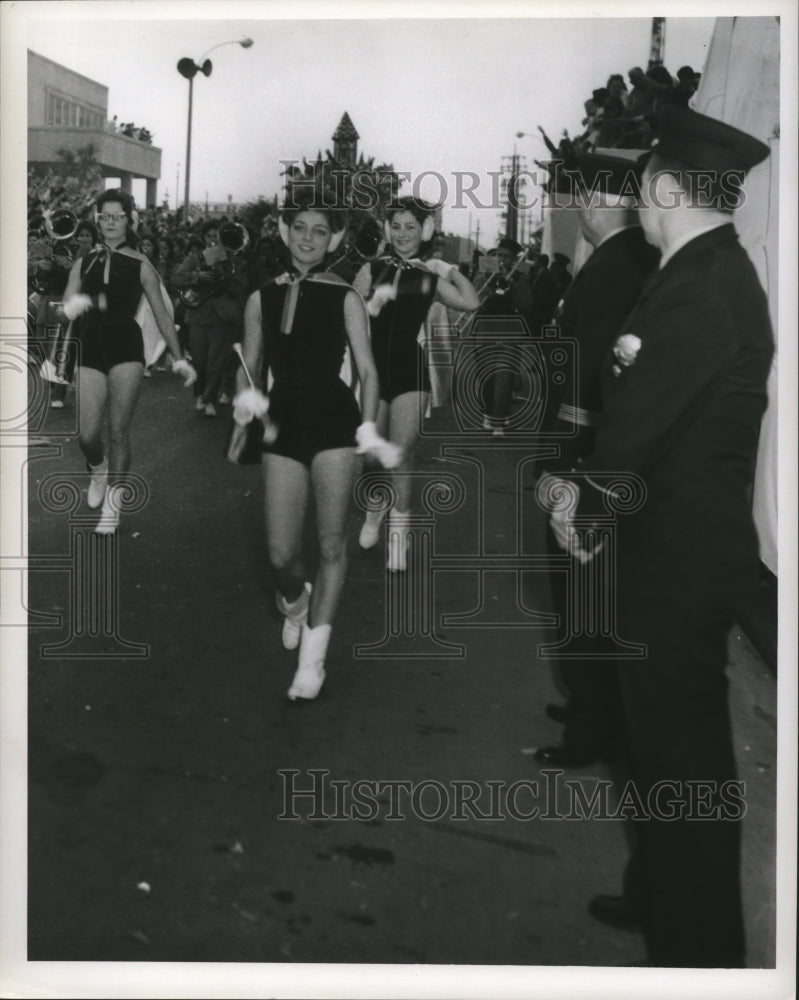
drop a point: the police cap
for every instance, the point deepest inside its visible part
(706, 143)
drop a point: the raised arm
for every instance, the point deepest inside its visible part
(457, 292)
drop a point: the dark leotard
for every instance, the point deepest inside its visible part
(313, 408)
(112, 336)
(401, 363)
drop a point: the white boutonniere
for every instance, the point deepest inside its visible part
(625, 350)
(283, 279)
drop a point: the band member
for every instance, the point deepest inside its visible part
(508, 300)
(49, 262)
(102, 298)
(399, 290)
(683, 395)
(297, 328)
(215, 322)
(594, 309)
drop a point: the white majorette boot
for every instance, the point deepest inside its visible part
(97, 483)
(370, 532)
(109, 515)
(398, 521)
(310, 675)
(295, 615)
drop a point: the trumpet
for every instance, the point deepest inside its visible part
(234, 238)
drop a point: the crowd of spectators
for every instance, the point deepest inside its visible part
(618, 117)
(131, 130)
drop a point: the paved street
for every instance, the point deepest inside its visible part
(158, 736)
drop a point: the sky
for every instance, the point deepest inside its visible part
(442, 95)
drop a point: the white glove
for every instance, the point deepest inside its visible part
(568, 538)
(251, 403)
(370, 443)
(247, 404)
(562, 524)
(381, 295)
(76, 305)
(186, 371)
(440, 267)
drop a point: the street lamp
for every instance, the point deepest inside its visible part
(189, 68)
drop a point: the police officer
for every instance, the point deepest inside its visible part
(594, 308)
(683, 396)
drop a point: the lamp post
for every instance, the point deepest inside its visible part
(189, 69)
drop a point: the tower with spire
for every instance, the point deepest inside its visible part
(345, 142)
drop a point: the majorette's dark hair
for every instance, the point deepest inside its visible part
(306, 197)
(419, 209)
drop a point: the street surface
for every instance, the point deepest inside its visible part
(159, 728)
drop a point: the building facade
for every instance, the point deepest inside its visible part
(69, 111)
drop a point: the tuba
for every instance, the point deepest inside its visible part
(235, 239)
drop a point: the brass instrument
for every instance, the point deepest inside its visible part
(234, 238)
(44, 257)
(62, 224)
(495, 283)
(367, 245)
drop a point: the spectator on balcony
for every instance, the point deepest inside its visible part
(641, 97)
(686, 86)
(614, 124)
(662, 84)
(617, 88)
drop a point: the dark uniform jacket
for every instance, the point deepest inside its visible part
(507, 298)
(546, 293)
(684, 415)
(594, 308)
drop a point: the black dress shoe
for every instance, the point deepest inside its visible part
(558, 713)
(567, 755)
(616, 912)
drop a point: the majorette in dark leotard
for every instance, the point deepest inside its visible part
(304, 343)
(400, 360)
(110, 336)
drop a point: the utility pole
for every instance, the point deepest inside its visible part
(657, 45)
(512, 184)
